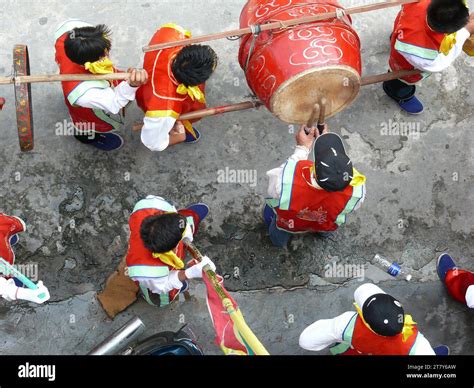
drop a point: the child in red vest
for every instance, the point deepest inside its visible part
(155, 257)
(93, 105)
(459, 283)
(12, 288)
(311, 196)
(379, 327)
(176, 87)
(428, 36)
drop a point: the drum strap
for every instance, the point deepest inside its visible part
(256, 30)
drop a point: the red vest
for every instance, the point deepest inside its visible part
(365, 342)
(457, 282)
(304, 208)
(412, 35)
(83, 118)
(9, 226)
(159, 98)
(138, 254)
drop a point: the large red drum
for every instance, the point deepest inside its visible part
(290, 69)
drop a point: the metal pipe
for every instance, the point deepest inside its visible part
(119, 340)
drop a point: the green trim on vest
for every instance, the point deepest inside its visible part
(83, 87)
(357, 192)
(148, 271)
(413, 347)
(69, 26)
(339, 348)
(272, 202)
(106, 118)
(346, 338)
(164, 298)
(287, 185)
(154, 203)
(416, 50)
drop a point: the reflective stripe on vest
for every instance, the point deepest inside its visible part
(154, 203)
(83, 87)
(357, 193)
(148, 271)
(417, 51)
(287, 185)
(164, 298)
(346, 338)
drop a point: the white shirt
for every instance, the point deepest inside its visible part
(275, 176)
(441, 62)
(470, 297)
(164, 285)
(155, 132)
(110, 99)
(326, 332)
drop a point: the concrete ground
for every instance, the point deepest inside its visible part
(76, 201)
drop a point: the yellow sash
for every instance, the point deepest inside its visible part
(192, 91)
(170, 258)
(102, 66)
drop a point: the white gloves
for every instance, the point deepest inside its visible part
(10, 291)
(195, 272)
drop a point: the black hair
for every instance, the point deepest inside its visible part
(194, 65)
(87, 44)
(162, 233)
(447, 16)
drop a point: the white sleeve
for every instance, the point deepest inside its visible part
(422, 347)
(110, 100)
(470, 297)
(155, 132)
(361, 200)
(275, 176)
(441, 62)
(325, 332)
(161, 285)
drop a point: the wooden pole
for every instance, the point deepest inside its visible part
(63, 77)
(278, 25)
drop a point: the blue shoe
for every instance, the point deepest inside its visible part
(185, 287)
(192, 137)
(412, 106)
(201, 209)
(445, 263)
(268, 215)
(107, 141)
(14, 240)
(441, 350)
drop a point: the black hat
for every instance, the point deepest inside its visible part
(334, 171)
(384, 314)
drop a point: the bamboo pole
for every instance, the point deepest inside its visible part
(29, 79)
(235, 314)
(278, 25)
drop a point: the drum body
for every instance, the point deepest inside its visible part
(290, 69)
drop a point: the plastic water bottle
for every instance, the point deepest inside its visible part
(392, 268)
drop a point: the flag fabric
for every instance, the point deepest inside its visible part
(228, 336)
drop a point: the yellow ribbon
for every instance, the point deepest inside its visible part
(170, 258)
(408, 324)
(194, 92)
(102, 66)
(358, 179)
(448, 43)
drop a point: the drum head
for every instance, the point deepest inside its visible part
(23, 99)
(294, 100)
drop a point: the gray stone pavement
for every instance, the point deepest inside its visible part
(76, 202)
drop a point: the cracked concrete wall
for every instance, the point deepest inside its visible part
(77, 202)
